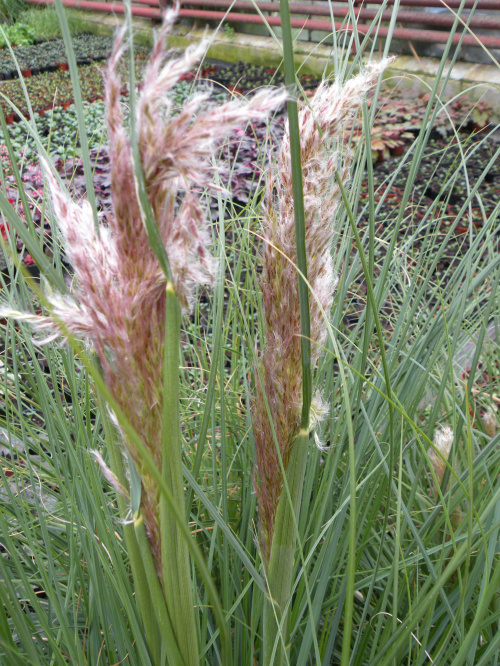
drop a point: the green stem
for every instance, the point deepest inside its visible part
(175, 554)
(178, 513)
(351, 570)
(134, 554)
(156, 594)
(299, 213)
(282, 559)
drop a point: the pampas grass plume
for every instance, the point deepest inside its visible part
(321, 127)
(118, 304)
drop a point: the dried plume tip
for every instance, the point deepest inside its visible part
(443, 440)
(438, 456)
(490, 421)
(321, 126)
(118, 304)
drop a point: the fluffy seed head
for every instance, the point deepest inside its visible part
(490, 422)
(321, 127)
(118, 304)
(443, 440)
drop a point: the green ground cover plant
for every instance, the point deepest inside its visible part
(204, 462)
(18, 34)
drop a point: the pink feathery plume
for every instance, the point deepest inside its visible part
(321, 126)
(118, 304)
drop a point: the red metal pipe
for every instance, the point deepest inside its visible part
(454, 4)
(430, 36)
(427, 19)
(324, 9)
(411, 35)
(108, 7)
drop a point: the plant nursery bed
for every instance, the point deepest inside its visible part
(428, 210)
(53, 88)
(399, 115)
(398, 119)
(50, 55)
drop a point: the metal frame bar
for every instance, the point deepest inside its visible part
(406, 34)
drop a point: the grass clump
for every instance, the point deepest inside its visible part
(46, 24)
(138, 516)
(11, 9)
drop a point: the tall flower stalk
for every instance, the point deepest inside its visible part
(129, 310)
(281, 440)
